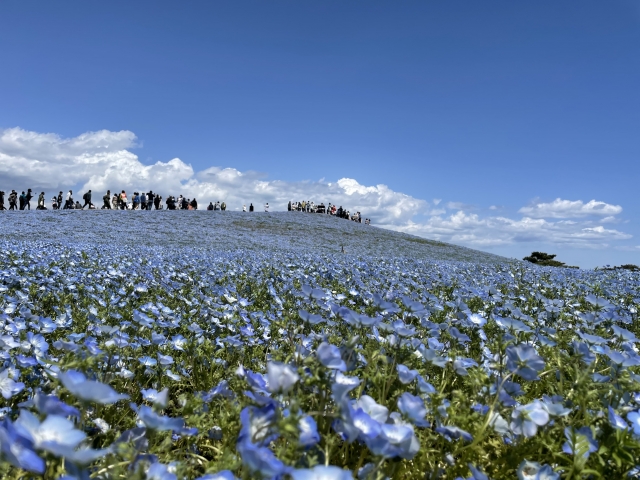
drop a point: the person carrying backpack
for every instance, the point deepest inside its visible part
(106, 201)
(13, 200)
(87, 200)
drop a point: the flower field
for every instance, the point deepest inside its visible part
(159, 363)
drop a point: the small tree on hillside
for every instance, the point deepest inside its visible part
(545, 260)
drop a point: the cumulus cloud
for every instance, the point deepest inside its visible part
(473, 230)
(560, 208)
(103, 160)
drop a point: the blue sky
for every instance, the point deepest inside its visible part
(490, 107)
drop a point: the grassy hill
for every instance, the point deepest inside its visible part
(229, 231)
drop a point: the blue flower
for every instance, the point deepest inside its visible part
(405, 375)
(158, 422)
(413, 407)
(281, 377)
(89, 390)
(8, 388)
(308, 429)
(329, 356)
(634, 419)
(527, 418)
(616, 420)
(157, 398)
(261, 460)
(454, 433)
(579, 442)
(221, 475)
(55, 434)
(534, 471)
(17, 449)
(523, 360)
(320, 472)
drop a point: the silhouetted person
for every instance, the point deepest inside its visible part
(106, 201)
(251, 207)
(27, 199)
(2, 201)
(87, 200)
(13, 200)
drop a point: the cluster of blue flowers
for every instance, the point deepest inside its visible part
(156, 364)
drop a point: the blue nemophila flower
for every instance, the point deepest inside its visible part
(452, 433)
(534, 471)
(526, 419)
(221, 475)
(308, 429)
(320, 472)
(579, 442)
(157, 398)
(329, 356)
(413, 407)
(261, 461)
(52, 405)
(281, 377)
(8, 387)
(342, 385)
(476, 474)
(634, 419)
(55, 434)
(89, 390)
(524, 361)
(159, 422)
(405, 375)
(616, 420)
(460, 365)
(18, 449)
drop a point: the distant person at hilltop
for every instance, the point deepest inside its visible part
(266, 207)
(2, 201)
(251, 207)
(87, 200)
(210, 206)
(105, 201)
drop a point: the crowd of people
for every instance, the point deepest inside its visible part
(153, 201)
(329, 209)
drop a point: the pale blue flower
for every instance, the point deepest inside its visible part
(281, 377)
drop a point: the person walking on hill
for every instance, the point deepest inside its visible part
(251, 207)
(143, 201)
(106, 201)
(41, 202)
(266, 207)
(122, 201)
(150, 197)
(87, 200)
(13, 200)
(27, 199)
(2, 201)
(69, 202)
(157, 201)
(21, 199)
(59, 201)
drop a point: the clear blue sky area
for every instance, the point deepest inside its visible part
(493, 103)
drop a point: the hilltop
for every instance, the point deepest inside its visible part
(226, 231)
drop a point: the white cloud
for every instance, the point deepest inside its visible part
(103, 160)
(560, 208)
